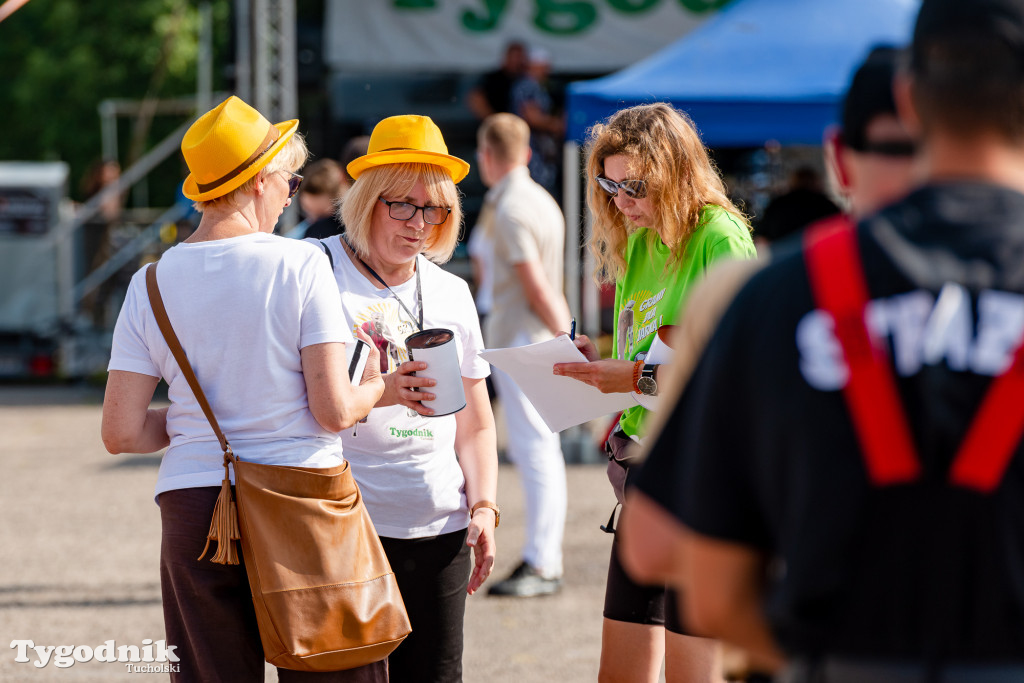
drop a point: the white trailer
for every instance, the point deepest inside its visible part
(33, 202)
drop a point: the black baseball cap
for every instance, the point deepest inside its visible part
(869, 95)
(968, 21)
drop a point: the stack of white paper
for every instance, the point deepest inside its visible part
(562, 402)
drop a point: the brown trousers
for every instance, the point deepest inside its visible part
(208, 612)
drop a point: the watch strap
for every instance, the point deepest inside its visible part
(638, 367)
(487, 504)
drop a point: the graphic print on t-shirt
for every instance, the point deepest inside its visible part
(625, 330)
(923, 330)
(638, 319)
(388, 328)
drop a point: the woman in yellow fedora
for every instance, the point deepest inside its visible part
(260, 321)
(402, 217)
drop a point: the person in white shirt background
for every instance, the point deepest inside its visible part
(528, 233)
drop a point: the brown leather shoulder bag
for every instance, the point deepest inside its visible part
(325, 596)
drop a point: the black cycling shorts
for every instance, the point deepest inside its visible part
(625, 600)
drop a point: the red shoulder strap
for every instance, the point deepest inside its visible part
(838, 285)
(995, 433)
(839, 288)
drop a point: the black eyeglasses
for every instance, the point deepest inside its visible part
(888, 148)
(403, 211)
(293, 183)
(635, 189)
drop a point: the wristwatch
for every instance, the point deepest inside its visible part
(646, 383)
(487, 504)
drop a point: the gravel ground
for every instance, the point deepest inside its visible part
(80, 535)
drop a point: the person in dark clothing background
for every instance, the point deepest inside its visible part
(318, 199)
(870, 155)
(804, 203)
(492, 95)
(326, 182)
(870, 528)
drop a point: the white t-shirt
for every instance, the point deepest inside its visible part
(406, 467)
(242, 309)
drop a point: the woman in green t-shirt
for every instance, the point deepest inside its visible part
(661, 218)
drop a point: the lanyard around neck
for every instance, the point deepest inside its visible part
(419, 291)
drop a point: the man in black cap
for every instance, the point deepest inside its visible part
(871, 526)
(871, 154)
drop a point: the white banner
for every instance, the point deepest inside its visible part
(470, 35)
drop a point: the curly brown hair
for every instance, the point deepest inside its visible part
(664, 149)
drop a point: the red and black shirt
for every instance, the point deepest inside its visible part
(761, 449)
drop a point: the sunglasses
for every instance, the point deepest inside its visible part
(293, 183)
(634, 189)
(403, 211)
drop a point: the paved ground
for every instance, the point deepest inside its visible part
(80, 540)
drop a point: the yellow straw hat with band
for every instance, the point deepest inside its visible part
(408, 140)
(227, 146)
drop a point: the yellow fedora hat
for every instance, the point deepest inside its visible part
(227, 146)
(408, 139)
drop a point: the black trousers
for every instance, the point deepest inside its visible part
(208, 612)
(433, 575)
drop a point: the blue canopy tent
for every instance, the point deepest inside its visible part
(759, 70)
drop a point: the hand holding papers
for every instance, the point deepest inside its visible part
(562, 402)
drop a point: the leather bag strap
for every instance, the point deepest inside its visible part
(157, 302)
(224, 523)
(839, 287)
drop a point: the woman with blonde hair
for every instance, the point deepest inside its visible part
(661, 219)
(259, 319)
(430, 506)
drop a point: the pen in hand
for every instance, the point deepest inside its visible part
(572, 329)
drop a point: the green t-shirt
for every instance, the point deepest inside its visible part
(648, 295)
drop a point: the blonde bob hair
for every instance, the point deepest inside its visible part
(663, 149)
(398, 180)
(291, 157)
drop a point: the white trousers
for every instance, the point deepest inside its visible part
(537, 454)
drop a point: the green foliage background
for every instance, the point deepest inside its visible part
(60, 58)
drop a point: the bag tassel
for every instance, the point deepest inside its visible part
(224, 525)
